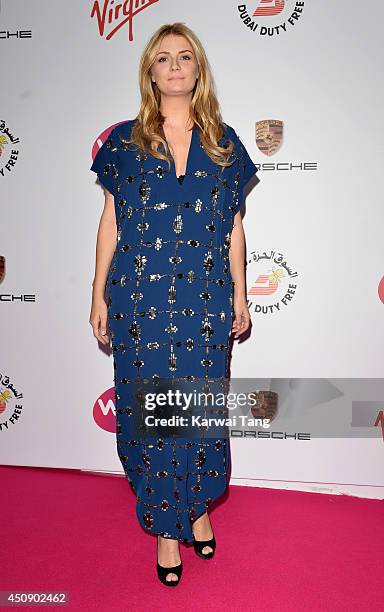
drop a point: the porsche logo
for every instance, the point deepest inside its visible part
(269, 136)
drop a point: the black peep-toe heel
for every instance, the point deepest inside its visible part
(163, 572)
(198, 546)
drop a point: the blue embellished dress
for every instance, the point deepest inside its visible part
(169, 295)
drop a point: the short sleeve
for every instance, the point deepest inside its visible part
(246, 168)
(105, 163)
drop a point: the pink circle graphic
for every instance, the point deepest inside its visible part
(380, 290)
(104, 411)
(100, 140)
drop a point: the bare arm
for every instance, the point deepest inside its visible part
(236, 257)
(105, 248)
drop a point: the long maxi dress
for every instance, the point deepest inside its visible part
(170, 310)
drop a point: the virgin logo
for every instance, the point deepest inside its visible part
(113, 15)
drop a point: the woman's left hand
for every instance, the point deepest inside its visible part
(242, 317)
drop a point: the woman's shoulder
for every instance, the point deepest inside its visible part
(229, 131)
(124, 128)
(230, 134)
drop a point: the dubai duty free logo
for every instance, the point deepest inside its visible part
(9, 154)
(270, 282)
(10, 403)
(271, 17)
(111, 16)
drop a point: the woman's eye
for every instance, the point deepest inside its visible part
(187, 57)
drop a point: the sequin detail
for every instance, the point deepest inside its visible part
(170, 305)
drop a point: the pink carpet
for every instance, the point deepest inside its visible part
(63, 530)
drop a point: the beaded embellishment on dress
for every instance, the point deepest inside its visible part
(169, 293)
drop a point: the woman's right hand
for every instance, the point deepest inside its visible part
(98, 319)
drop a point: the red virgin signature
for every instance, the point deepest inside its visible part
(117, 14)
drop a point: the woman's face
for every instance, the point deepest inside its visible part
(175, 68)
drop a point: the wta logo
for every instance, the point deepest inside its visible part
(380, 290)
(111, 16)
(104, 411)
(100, 140)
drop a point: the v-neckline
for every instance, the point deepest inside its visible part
(173, 165)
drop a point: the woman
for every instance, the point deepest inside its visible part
(170, 251)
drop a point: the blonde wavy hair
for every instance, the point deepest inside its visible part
(147, 133)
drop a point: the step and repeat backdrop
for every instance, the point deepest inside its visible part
(301, 84)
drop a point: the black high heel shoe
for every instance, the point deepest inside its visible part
(163, 572)
(198, 546)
